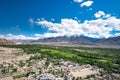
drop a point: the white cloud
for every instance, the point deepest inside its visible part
(78, 1)
(31, 21)
(46, 35)
(52, 19)
(98, 28)
(2, 36)
(75, 18)
(101, 14)
(35, 37)
(116, 34)
(91, 9)
(107, 16)
(87, 3)
(23, 37)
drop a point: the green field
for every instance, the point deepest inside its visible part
(101, 57)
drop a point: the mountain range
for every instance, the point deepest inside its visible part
(65, 39)
(80, 40)
(6, 42)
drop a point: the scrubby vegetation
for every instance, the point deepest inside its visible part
(101, 57)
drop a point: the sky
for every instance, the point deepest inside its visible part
(34, 19)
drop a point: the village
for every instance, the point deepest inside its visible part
(29, 68)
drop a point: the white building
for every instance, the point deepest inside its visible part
(46, 76)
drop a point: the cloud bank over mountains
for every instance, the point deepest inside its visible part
(103, 26)
(41, 19)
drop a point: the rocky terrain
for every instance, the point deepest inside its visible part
(79, 40)
(6, 42)
(41, 62)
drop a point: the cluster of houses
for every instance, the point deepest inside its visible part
(44, 69)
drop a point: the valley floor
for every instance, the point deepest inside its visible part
(40, 62)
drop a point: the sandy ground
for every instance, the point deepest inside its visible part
(12, 54)
(7, 78)
(11, 78)
(84, 73)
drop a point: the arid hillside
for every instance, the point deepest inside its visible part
(6, 42)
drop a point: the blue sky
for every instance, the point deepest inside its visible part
(33, 19)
